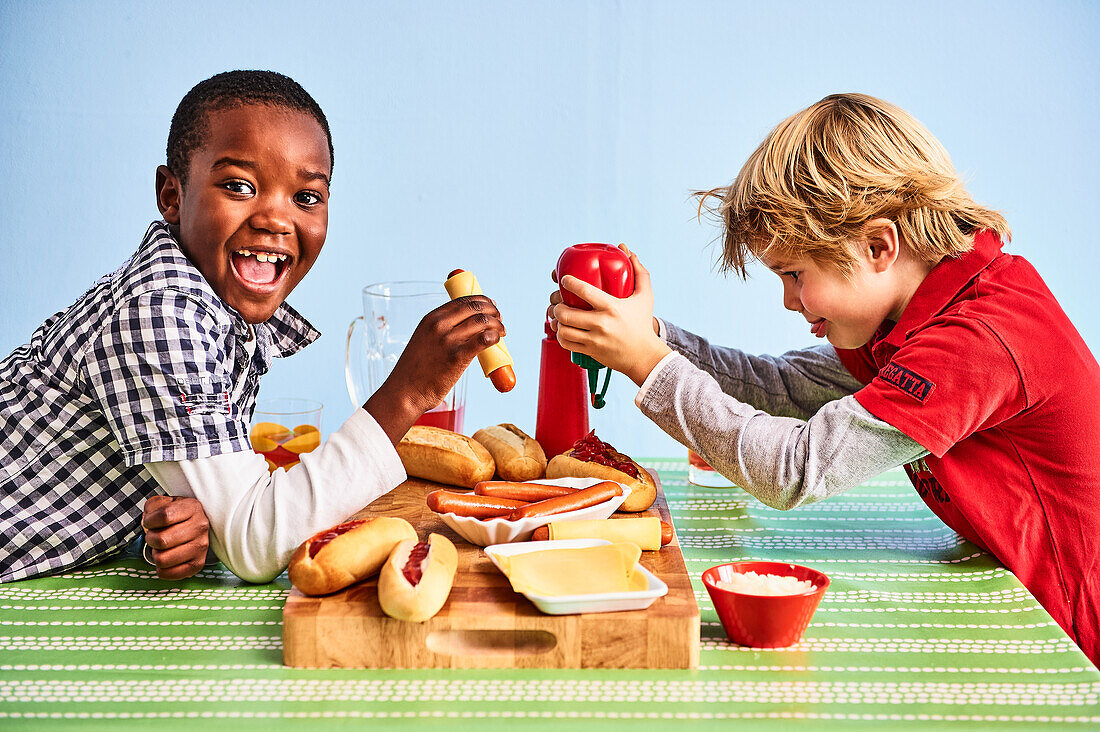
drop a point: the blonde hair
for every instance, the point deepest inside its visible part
(822, 174)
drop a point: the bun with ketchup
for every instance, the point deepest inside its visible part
(590, 457)
(332, 559)
(416, 579)
(443, 456)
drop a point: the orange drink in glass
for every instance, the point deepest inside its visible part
(284, 429)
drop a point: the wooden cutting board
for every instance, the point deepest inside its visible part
(484, 623)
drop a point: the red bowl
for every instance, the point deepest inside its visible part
(764, 621)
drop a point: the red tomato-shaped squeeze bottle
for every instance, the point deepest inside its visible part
(600, 265)
(607, 268)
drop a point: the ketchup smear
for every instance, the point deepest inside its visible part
(594, 450)
(414, 570)
(321, 540)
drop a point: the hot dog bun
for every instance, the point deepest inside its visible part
(415, 603)
(643, 491)
(347, 553)
(518, 456)
(443, 456)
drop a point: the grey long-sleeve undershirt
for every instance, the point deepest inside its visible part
(785, 428)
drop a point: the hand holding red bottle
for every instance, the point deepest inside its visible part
(617, 331)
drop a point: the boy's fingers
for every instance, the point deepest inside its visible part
(473, 335)
(194, 529)
(183, 554)
(163, 511)
(550, 315)
(154, 513)
(641, 274)
(172, 570)
(579, 320)
(459, 309)
(180, 572)
(567, 342)
(450, 314)
(591, 294)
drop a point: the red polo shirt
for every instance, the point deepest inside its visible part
(988, 374)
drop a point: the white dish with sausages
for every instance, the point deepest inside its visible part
(484, 532)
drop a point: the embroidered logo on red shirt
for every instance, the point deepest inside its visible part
(926, 483)
(911, 383)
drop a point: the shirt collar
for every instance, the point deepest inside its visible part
(288, 332)
(942, 284)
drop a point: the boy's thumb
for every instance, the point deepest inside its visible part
(641, 274)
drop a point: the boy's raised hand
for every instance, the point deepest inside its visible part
(618, 332)
(176, 532)
(442, 346)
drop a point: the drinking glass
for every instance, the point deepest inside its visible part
(391, 312)
(285, 428)
(700, 473)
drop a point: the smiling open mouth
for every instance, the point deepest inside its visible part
(259, 269)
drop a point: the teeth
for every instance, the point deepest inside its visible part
(263, 256)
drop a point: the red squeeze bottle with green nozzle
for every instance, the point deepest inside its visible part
(562, 417)
(607, 268)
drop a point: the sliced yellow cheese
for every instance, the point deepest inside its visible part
(644, 531)
(497, 355)
(587, 571)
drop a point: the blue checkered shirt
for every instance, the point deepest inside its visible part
(148, 365)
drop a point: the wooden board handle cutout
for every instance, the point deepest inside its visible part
(482, 642)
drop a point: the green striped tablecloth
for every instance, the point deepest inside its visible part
(919, 629)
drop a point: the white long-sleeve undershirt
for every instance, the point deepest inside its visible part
(257, 520)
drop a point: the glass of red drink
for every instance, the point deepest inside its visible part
(701, 473)
(283, 429)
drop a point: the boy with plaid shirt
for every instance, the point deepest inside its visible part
(146, 384)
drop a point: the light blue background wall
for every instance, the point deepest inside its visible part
(490, 135)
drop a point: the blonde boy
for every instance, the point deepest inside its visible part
(944, 354)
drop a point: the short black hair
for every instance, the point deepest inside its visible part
(230, 90)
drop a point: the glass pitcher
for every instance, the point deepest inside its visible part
(391, 312)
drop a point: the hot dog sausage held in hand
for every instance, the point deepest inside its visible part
(332, 559)
(495, 360)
